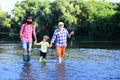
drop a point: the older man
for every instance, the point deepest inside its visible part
(60, 36)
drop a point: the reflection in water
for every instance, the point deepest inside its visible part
(26, 72)
(43, 65)
(80, 64)
(61, 71)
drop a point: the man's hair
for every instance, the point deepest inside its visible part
(60, 23)
(29, 17)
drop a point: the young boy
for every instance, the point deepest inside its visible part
(44, 46)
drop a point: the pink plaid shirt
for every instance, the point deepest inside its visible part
(27, 32)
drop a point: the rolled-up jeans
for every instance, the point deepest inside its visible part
(28, 46)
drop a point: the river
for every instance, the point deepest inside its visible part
(83, 63)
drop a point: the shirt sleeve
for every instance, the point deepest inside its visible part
(22, 28)
(39, 43)
(53, 37)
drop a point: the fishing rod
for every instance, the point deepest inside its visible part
(72, 39)
(71, 44)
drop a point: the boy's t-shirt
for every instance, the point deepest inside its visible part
(44, 46)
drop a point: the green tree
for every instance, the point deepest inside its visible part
(91, 19)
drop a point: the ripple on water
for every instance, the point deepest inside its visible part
(79, 64)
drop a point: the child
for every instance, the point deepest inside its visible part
(44, 46)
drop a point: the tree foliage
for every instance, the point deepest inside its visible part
(90, 19)
(4, 19)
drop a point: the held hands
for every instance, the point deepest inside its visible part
(50, 45)
(35, 42)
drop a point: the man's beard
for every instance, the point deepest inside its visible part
(61, 28)
(29, 22)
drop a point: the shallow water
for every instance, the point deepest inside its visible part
(79, 64)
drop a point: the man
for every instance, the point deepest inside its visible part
(26, 32)
(60, 36)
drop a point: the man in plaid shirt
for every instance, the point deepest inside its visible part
(60, 37)
(26, 32)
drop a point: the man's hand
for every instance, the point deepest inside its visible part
(50, 45)
(72, 33)
(35, 42)
(21, 35)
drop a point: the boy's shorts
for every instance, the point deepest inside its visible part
(60, 51)
(27, 45)
(43, 54)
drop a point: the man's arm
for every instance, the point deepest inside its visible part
(53, 38)
(21, 30)
(72, 33)
(34, 34)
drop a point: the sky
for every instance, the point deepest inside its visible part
(8, 5)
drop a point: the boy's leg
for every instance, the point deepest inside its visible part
(41, 56)
(44, 57)
(40, 59)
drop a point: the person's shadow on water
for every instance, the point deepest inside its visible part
(26, 72)
(61, 71)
